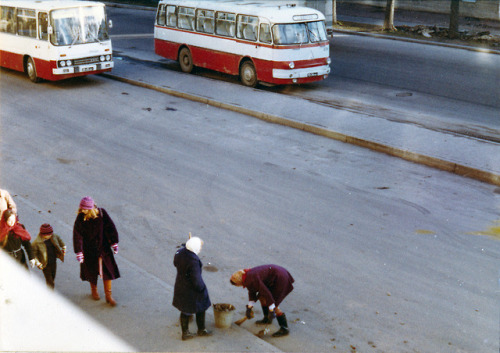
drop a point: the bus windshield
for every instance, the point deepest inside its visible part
(78, 25)
(299, 33)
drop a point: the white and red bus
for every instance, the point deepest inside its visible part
(54, 40)
(260, 42)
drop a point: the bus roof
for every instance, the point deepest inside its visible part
(48, 4)
(284, 12)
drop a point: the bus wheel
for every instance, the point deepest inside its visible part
(31, 71)
(248, 75)
(185, 60)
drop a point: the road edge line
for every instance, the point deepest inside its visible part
(432, 162)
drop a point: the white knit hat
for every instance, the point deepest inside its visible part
(194, 244)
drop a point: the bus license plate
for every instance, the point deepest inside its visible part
(311, 74)
(88, 68)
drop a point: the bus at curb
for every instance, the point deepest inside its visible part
(260, 42)
(54, 40)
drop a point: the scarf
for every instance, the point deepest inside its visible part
(17, 229)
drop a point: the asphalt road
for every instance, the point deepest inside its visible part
(386, 254)
(383, 251)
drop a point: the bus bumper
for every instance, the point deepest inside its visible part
(83, 68)
(309, 72)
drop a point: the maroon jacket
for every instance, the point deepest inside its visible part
(94, 238)
(268, 283)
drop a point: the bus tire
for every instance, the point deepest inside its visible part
(248, 75)
(186, 60)
(31, 70)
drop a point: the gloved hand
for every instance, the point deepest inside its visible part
(271, 315)
(249, 313)
(38, 264)
(115, 248)
(79, 257)
(32, 263)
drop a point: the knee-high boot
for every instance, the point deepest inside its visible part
(95, 293)
(283, 331)
(185, 327)
(265, 320)
(108, 292)
(200, 322)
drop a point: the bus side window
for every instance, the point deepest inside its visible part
(186, 18)
(265, 33)
(7, 23)
(205, 21)
(43, 24)
(171, 16)
(26, 23)
(247, 27)
(160, 17)
(225, 24)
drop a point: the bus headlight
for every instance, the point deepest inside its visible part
(62, 63)
(328, 61)
(68, 63)
(291, 65)
(101, 58)
(108, 57)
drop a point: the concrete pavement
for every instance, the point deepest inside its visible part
(462, 155)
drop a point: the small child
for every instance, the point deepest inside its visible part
(47, 248)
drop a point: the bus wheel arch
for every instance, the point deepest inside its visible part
(185, 59)
(30, 69)
(248, 74)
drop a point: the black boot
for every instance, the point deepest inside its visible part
(185, 327)
(283, 331)
(200, 322)
(265, 320)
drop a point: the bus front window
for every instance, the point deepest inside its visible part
(78, 26)
(317, 31)
(293, 33)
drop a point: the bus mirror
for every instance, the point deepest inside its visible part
(110, 24)
(49, 30)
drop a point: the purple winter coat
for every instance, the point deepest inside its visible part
(190, 291)
(94, 238)
(268, 283)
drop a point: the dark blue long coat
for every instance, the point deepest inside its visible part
(268, 283)
(94, 238)
(190, 291)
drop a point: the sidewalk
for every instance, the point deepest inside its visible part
(418, 26)
(357, 13)
(461, 155)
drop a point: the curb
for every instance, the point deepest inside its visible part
(433, 162)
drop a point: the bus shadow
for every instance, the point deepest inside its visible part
(220, 76)
(69, 83)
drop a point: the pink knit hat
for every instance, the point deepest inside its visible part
(87, 203)
(46, 229)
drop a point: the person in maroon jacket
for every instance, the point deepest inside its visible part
(269, 284)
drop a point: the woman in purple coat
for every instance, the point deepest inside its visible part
(269, 284)
(95, 241)
(190, 292)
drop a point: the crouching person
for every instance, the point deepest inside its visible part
(47, 248)
(190, 292)
(269, 284)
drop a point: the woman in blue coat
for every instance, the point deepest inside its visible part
(190, 291)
